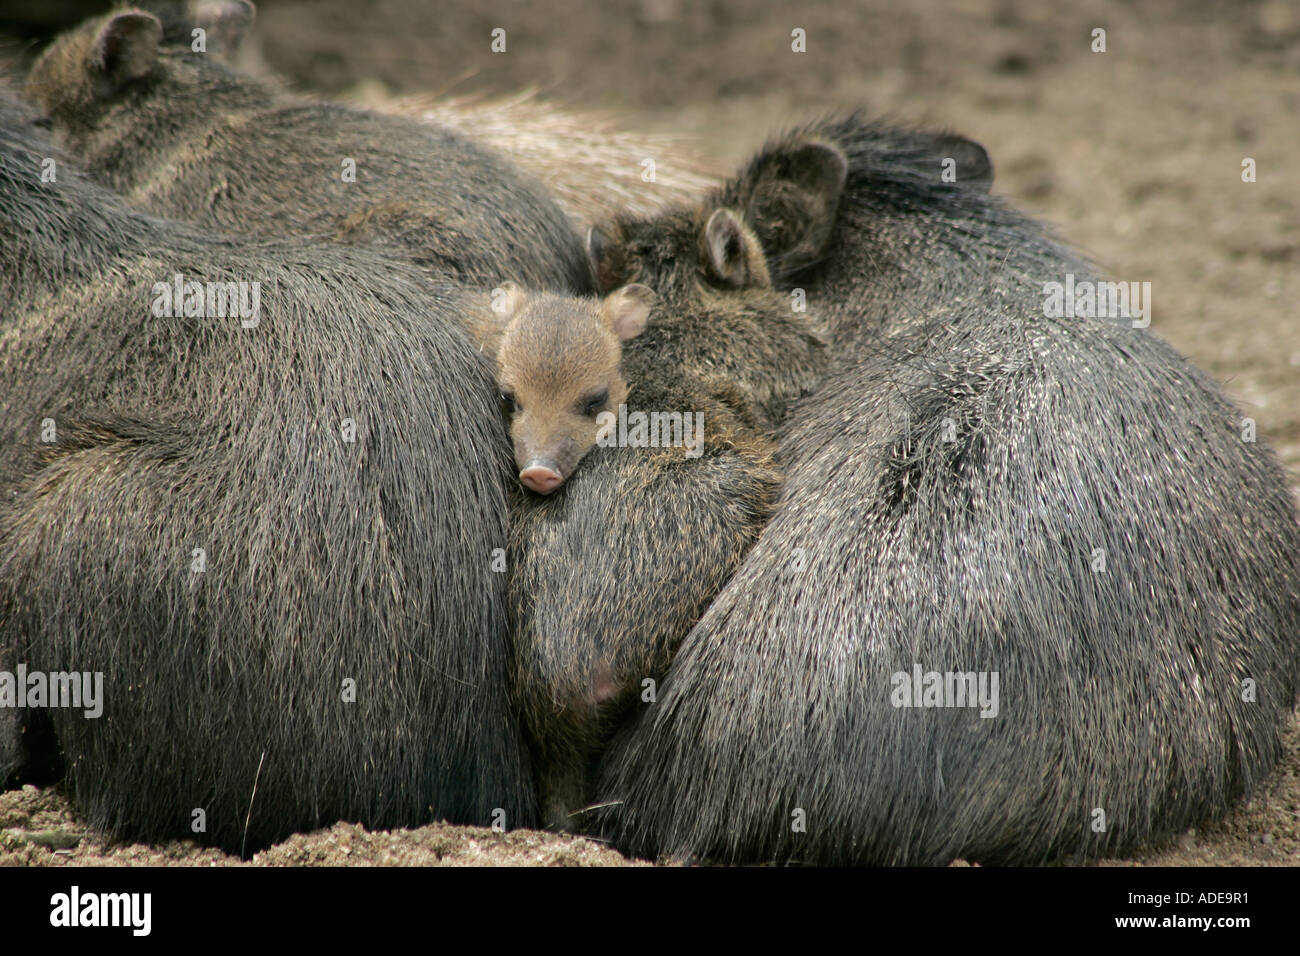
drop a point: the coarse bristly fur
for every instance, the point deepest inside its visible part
(609, 572)
(182, 135)
(594, 168)
(975, 487)
(275, 542)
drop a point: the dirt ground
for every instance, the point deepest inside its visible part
(1134, 154)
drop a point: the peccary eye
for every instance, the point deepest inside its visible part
(592, 404)
(509, 401)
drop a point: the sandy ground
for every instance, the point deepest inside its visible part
(1134, 154)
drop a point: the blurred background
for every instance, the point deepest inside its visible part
(1133, 154)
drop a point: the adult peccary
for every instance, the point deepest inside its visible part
(590, 165)
(182, 135)
(269, 528)
(1055, 524)
(609, 572)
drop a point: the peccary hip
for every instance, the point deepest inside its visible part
(980, 495)
(263, 535)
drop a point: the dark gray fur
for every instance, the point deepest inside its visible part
(892, 545)
(326, 560)
(182, 135)
(609, 572)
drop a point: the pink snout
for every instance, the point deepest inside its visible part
(540, 477)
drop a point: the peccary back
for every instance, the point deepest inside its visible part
(272, 536)
(980, 489)
(182, 135)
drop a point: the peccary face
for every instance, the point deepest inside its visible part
(558, 366)
(93, 66)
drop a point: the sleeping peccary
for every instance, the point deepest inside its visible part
(609, 571)
(180, 134)
(256, 487)
(1030, 587)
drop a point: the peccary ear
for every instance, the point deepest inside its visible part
(627, 310)
(973, 165)
(793, 193)
(125, 50)
(225, 22)
(731, 254)
(605, 253)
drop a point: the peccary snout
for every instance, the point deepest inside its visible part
(541, 475)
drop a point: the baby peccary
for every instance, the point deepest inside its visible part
(558, 363)
(611, 571)
(1031, 587)
(181, 135)
(216, 510)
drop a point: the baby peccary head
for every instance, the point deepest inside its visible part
(558, 363)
